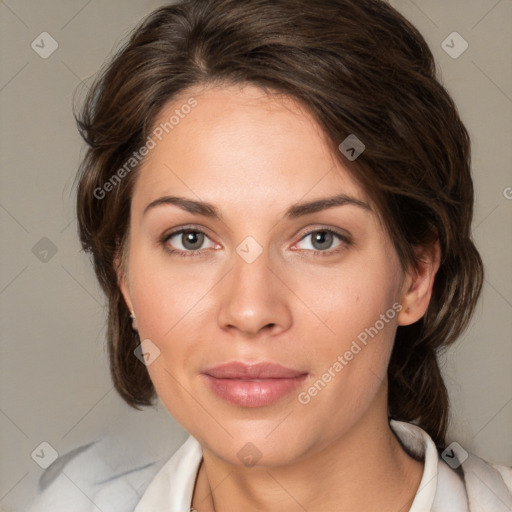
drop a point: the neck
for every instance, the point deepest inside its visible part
(360, 471)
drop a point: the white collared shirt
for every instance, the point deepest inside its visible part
(94, 478)
(441, 489)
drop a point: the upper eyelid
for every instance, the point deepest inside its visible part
(173, 232)
(336, 231)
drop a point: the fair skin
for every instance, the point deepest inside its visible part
(254, 156)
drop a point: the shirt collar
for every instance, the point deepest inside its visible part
(419, 443)
(172, 487)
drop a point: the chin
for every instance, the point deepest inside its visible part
(249, 447)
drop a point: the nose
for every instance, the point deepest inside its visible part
(254, 298)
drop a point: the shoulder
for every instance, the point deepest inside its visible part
(84, 480)
(465, 482)
(488, 485)
(505, 472)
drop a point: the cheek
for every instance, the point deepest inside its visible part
(346, 303)
(171, 313)
(350, 353)
(353, 341)
(165, 295)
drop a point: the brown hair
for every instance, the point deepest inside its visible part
(359, 68)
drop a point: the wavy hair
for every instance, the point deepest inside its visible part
(359, 67)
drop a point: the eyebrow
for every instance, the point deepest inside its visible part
(297, 210)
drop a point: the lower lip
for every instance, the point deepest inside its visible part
(252, 393)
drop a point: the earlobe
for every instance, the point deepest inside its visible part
(122, 282)
(419, 283)
(133, 319)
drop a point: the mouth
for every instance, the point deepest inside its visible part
(253, 385)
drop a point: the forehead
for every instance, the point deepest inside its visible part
(240, 146)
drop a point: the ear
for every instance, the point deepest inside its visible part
(418, 284)
(122, 281)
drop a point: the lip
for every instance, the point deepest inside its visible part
(252, 385)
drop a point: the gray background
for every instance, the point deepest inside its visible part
(54, 379)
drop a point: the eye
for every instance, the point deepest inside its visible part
(189, 242)
(185, 242)
(322, 241)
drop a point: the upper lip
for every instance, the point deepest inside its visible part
(247, 371)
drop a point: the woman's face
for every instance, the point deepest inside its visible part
(316, 291)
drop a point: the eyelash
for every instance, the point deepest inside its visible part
(346, 241)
